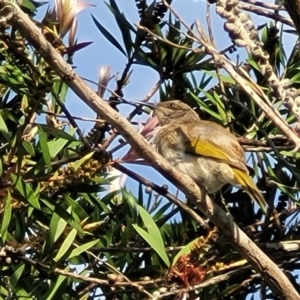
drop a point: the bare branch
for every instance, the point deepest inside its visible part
(264, 4)
(269, 14)
(293, 8)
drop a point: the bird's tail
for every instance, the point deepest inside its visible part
(250, 187)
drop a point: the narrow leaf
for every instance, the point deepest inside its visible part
(83, 248)
(44, 147)
(52, 292)
(81, 161)
(108, 36)
(6, 216)
(150, 224)
(58, 145)
(3, 129)
(154, 243)
(58, 133)
(66, 245)
(26, 191)
(16, 275)
(153, 236)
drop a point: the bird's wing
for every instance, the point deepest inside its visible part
(205, 143)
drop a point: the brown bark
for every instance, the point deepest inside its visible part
(293, 9)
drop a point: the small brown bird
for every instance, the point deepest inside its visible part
(204, 150)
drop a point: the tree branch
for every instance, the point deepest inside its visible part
(270, 272)
(269, 14)
(293, 9)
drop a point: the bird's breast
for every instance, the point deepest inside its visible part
(170, 145)
(203, 170)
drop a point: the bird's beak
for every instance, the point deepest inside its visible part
(147, 104)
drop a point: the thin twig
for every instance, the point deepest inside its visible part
(267, 13)
(264, 4)
(84, 278)
(71, 120)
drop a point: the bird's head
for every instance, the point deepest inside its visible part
(172, 111)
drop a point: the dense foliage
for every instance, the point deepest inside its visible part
(70, 229)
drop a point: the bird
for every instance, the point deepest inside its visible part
(203, 150)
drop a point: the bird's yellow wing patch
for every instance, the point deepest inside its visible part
(250, 187)
(211, 150)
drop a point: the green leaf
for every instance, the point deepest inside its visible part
(87, 188)
(56, 228)
(26, 191)
(77, 164)
(28, 147)
(108, 36)
(61, 211)
(162, 209)
(130, 199)
(150, 224)
(19, 233)
(1, 167)
(120, 16)
(76, 208)
(58, 133)
(154, 243)
(145, 59)
(220, 106)
(59, 88)
(141, 196)
(44, 147)
(153, 236)
(56, 146)
(123, 24)
(193, 58)
(16, 275)
(184, 250)
(83, 248)
(66, 245)
(3, 129)
(204, 106)
(227, 79)
(56, 288)
(28, 4)
(231, 289)
(6, 216)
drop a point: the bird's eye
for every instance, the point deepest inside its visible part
(173, 105)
